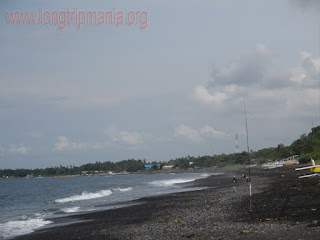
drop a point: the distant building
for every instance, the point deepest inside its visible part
(167, 167)
(148, 166)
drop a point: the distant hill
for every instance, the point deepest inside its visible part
(307, 146)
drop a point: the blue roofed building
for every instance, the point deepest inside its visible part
(148, 166)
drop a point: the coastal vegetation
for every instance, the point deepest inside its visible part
(307, 146)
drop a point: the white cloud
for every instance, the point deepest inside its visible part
(130, 137)
(126, 137)
(123, 137)
(64, 144)
(262, 50)
(201, 94)
(210, 131)
(188, 132)
(20, 150)
(307, 72)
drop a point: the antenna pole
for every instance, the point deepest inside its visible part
(245, 115)
(237, 143)
(212, 150)
(318, 79)
(249, 179)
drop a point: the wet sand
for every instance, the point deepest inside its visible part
(283, 207)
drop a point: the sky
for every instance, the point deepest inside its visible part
(170, 84)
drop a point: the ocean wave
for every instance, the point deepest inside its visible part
(165, 183)
(21, 227)
(170, 182)
(85, 196)
(123, 189)
(205, 175)
(71, 209)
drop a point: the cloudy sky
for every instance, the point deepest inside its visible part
(172, 88)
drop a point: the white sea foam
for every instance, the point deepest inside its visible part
(123, 189)
(205, 175)
(85, 196)
(21, 227)
(165, 183)
(71, 209)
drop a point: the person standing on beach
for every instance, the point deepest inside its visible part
(234, 179)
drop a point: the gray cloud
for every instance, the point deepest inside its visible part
(271, 93)
(257, 69)
(307, 3)
(275, 78)
(243, 71)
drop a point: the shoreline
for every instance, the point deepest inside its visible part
(125, 212)
(176, 171)
(283, 207)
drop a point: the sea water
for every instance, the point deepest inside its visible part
(30, 204)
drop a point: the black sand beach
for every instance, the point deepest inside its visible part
(283, 207)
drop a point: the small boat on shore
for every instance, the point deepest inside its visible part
(271, 165)
(284, 162)
(290, 161)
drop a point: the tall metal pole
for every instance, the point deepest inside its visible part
(319, 80)
(245, 115)
(249, 179)
(237, 143)
(212, 151)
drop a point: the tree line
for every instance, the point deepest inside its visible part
(307, 146)
(130, 165)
